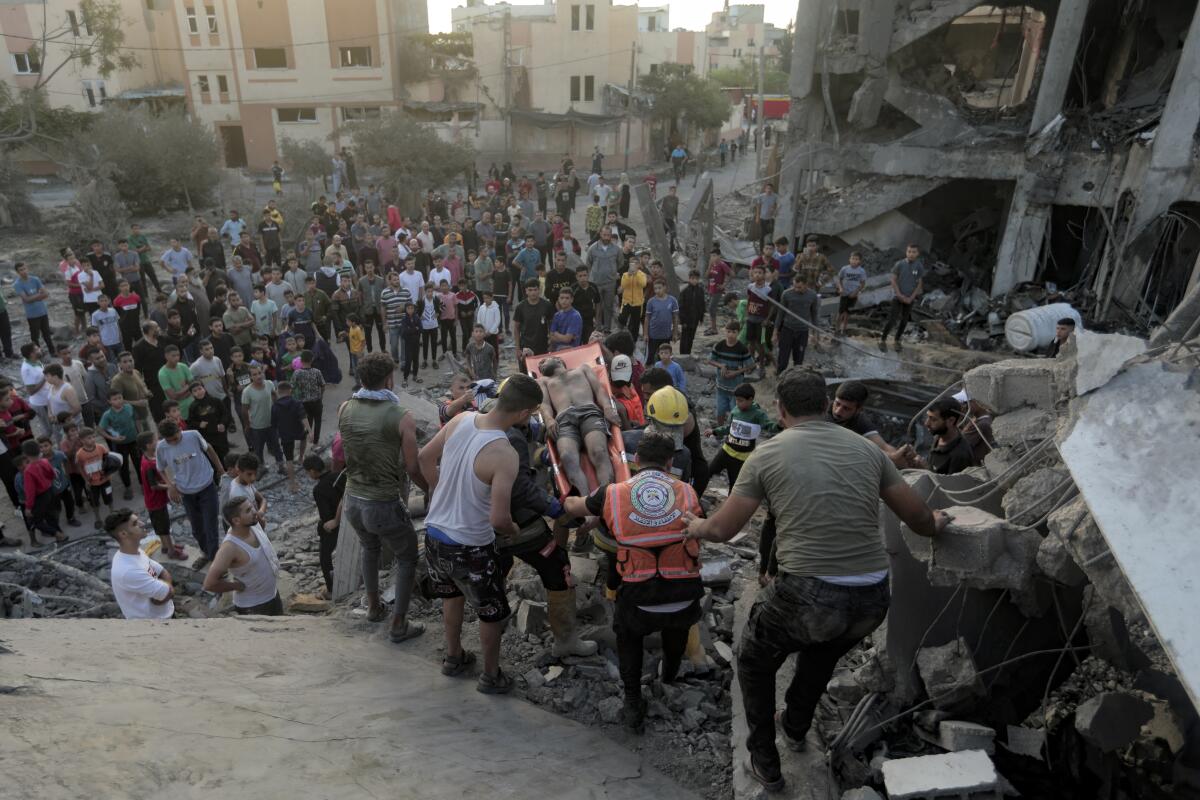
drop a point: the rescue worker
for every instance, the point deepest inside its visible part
(537, 546)
(660, 584)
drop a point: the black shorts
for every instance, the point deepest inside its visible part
(473, 572)
(754, 332)
(160, 520)
(101, 494)
(289, 448)
(578, 421)
(76, 302)
(846, 303)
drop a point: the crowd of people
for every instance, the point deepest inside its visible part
(239, 331)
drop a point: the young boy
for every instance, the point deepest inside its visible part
(459, 397)
(62, 481)
(128, 304)
(227, 478)
(209, 416)
(850, 282)
(356, 343)
(481, 356)
(665, 360)
(242, 486)
(327, 492)
(266, 313)
(747, 422)
(90, 459)
(154, 493)
(732, 360)
(174, 377)
(446, 303)
(466, 303)
(41, 506)
(171, 411)
(633, 298)
(287, 417)
(308, 387)
(757, 312)
(118, 426)
(410, 333)
(69, 446)
(429, 310)
(108, 321)
(691, 311)
(489, 316)
(662, 318)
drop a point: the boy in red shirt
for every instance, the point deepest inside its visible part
(40, 501)
(89, 458)
(154, 491)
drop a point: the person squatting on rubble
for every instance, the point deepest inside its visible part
(470, 468)
(831, 589)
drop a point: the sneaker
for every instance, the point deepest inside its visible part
(793, 744)
(494, 684)
(772, 782)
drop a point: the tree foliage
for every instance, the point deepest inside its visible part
(745, 75)
(682, 99)
(410, 156)
(16, 209)
(155, 162)
(98, 211)
(305, 159)
(94, 45)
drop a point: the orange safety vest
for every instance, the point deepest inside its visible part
(627, 397)
(645, 516)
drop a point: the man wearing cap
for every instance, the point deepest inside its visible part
(577, 413)
(629, 402)
(666, 413)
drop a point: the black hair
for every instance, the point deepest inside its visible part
(853, 392)
(520, 393)
(801, 392)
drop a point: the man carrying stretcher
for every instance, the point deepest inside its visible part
(577, 413)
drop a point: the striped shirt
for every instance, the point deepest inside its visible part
(394, 301)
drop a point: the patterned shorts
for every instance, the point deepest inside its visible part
(468, 571)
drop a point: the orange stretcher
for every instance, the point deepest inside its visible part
(593, 356)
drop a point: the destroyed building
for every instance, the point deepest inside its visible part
(1050, 142)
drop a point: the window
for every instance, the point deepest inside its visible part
(355, 56)
(355, 113)
(73, 21)
(192, 23)
(27, 63)
(296, 114)
(270, 58)
(202, 82)
(652, 24)
(94, 92)
(211, 13)
(591, 17)
(575, 94)
(575, 18)
(750, 43)
(654, 69)
(589, 88)
(222, 84)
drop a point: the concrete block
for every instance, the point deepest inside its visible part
(531, 618)
(1032, 497)
(972, 541)
(1026, 741)
(584, 570)
(1013, 384)
(862, 793)
(1100, 356)
(1113, 720)
(1054, 559)
(998, 461)
(1024, 425)
(948, 775)
(949, 674)
(956, 735)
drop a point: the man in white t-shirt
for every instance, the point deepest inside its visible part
(143, 587)
(37, 391)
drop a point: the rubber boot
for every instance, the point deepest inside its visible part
(406, 581)
(561, 613)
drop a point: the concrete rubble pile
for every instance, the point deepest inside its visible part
(1016, 636)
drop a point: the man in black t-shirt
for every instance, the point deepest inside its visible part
(531, 323)
(272, 243)
(847, 410)
(587, 300)
(951, 453)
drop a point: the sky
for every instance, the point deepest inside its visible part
(690, 14)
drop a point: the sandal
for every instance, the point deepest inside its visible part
(378, 615)
(411, 631)
(457, 665)
(494, 684)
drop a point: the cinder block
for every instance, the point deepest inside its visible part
(972, 541)
(956, 735)
(1013, 384)
(1023, 425)
(947, 775)
(949, 674)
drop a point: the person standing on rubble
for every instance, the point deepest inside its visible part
(831, 589)
(908, 276)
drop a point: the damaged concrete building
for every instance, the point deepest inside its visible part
(1049, 142)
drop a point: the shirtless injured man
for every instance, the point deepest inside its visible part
(577, 414)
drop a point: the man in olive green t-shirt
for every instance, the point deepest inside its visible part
(823, 484)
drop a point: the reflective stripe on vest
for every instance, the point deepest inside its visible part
(645, 515)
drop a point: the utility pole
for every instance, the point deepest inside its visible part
(507, 80)
(762, 113)
(633, 54)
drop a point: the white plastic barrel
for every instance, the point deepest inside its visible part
(1033, 328)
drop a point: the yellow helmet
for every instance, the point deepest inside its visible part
(668, 406)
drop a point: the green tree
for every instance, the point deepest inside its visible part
(305, 159)
(745, 74)
(94, 44)
(683, 101)
(410, 156)
(155, 162)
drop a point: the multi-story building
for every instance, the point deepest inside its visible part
(735, 34)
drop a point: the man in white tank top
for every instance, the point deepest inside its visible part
(469, 502)
(247, 555)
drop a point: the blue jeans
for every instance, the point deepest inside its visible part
(202, 513)
(396, 345)
(725, 404)
(261, 438)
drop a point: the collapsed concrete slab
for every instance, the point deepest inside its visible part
(949, 673)
(1023, 426)
(1100, 356)
(1113, 719)
(948, 775)
(979, 550)
(1009, 385)
(1035, 495)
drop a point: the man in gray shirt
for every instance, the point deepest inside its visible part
(187, 464)
(907, 277)
(541, 231)
(241, 280)
(602, 262)
(850, 282)
(791, 334)
(765, 206)
(129, 268)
